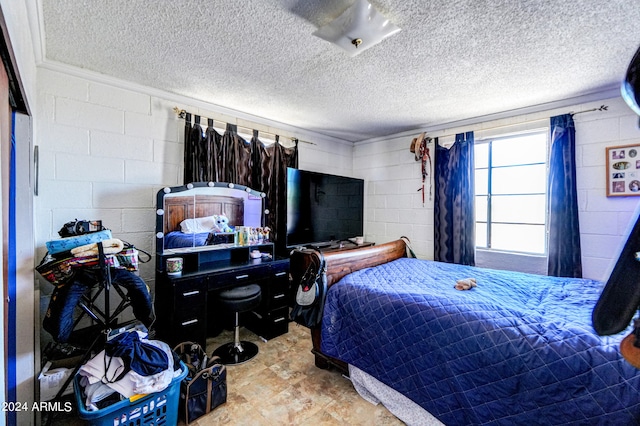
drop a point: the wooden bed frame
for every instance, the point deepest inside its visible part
(339, 264)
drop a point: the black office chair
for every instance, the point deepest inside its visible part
(238, 299)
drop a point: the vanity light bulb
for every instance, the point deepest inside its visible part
(190, 186)
(211, 184)
(262, 194)
(167, 190)
(266, 211)
(159, 235)
(160, 212)
(247, 189)
(231, 185)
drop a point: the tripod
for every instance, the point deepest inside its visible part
(104, 319)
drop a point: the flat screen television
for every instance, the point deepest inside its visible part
(323, 209)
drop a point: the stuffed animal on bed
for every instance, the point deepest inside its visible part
(466, 284)
(222, 222)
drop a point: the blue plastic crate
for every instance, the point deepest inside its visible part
(159, 408)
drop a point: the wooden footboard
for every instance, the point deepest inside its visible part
(339, 264)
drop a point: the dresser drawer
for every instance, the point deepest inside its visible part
(278, 290)
(278, 267)
(190, 297)
(189, 284)
(189, 330)
(243, 276)
(269, 325)
(189, 301)
(189, 311)
(276, 293)
(188, 294)
(280, 276)
(279, 318)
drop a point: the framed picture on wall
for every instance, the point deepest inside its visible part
(623, 170)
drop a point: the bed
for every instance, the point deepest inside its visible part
(516, 349)
(179, 208)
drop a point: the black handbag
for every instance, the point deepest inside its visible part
(205, 387)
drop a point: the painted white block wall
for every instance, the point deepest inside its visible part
(394, 207)
(603, 220)
(106, 148)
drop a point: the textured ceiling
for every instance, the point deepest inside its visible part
(453, 60)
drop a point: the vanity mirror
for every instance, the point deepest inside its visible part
(196, 260)
(186, 215)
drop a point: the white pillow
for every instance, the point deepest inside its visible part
(198, 225)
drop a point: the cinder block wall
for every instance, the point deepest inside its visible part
(603, 220)
(394, 206)
(107, 147)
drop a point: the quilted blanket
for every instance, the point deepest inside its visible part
(516, 349)
(177, 239)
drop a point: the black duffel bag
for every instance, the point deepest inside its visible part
(205, 387)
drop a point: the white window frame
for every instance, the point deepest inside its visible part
(489, 222)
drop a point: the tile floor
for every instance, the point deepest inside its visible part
(282, 386)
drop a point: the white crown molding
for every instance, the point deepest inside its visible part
(307, 135)
(302, 134)
(36, 26)
(608, 93)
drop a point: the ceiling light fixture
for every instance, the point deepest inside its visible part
(358, 28)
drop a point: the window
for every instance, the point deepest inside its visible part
(510, 193)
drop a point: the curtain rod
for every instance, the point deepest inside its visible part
(488, 128)
(182, 114)
(602, 108)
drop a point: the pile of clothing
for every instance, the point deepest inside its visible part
(75, 269)
(129, 365)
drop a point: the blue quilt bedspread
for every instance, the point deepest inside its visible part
(517, 349)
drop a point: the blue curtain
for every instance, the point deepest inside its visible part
(454, 224)
(562, 198)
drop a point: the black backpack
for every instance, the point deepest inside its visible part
(311, 293)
